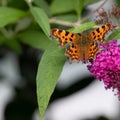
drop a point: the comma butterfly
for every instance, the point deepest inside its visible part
(84, 46)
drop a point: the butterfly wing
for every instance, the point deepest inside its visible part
(65, 37)
(73, 51)
(99, 33)
(92, 50)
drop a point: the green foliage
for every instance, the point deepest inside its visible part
(115, 35)
(44, 5)
(58, 7)
(49, 71)
(61, 6)
(9, 15)
(15, 29)
(83, 27)
(2, 39)
(14, 45)
(42, 19)
(78, 6)
(67, 17)
(118, 2)
(34, 38)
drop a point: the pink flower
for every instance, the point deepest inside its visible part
(106, 66)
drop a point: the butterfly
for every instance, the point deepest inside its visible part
(82, 46)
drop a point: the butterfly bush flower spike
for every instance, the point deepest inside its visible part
(106, 66)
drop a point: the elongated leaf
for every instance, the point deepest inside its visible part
(36, 39)
(49, 70)
(114, 35)
(62, 6)
(43, 4)
(41, 18)
(83, 27)
(9, 15)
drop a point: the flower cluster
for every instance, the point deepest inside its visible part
(106, 66)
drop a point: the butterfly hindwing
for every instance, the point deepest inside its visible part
(73, 52)
(92, 50)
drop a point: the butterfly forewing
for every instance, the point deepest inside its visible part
(99, 33)
(65, 37)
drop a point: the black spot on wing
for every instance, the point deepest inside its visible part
(94, 37)
(101, 33)
(70, 39)
(98, 30)
(72, 45)
(93, 33)
(72, 35)
(79, 34)
(66, 34)
(103, 27)
(60, 31)
(98, 36)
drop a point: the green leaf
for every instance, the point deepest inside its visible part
(114, 35)
(118, 2)
(9, 15)
(62, 6)
(41, 18)
(44, 5)
(84, 26)
(14, 45)
(21, 4)
(79, 4)
(67, 17)
(35, 39)
(49, 70)
(2, 39)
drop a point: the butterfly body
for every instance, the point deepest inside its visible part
(84, 46)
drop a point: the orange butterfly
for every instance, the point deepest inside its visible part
(84, 46)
